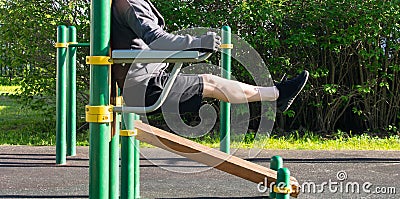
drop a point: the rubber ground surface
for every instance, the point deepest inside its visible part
(30, 172)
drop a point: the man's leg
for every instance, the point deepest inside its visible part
(236, 92)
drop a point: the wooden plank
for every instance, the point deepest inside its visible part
(208, 156)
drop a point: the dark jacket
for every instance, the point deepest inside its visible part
(136, 24)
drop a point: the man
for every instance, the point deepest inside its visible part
(136, 24)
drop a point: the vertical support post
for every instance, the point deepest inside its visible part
(225, 117)
(114, 159)
(127, 159)
(275, 164)
(61, 147)
(283, 184)
(137, 164)
(100, 23)
(71, 94)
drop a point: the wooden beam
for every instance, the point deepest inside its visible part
(208, 156)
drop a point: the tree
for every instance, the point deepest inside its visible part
(28, 35)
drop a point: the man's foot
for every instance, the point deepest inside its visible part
(289, 89)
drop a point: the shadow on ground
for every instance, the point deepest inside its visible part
(32, 196)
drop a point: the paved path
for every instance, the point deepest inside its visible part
(30, 172)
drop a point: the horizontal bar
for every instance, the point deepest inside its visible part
(157, 56)
(154, 54)
(79, 45)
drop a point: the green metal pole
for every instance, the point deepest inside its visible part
(71, 94)
(127, 159)
(114, 160)
(283, 181)
(137, 164)
(61, 148)
(275, 164)
(100, 24)
(225, 117)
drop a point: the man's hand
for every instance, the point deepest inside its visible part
(210, 42)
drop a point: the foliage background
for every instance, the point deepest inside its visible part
(351, 49)
(28, 33)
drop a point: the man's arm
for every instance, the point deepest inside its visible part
(156, 38)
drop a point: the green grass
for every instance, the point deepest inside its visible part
(358, 142)
(20, 125)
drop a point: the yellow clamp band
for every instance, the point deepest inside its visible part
(72, 43)
(61, 45)
(226, 46)
(119, 101)
(283, 190)
(128, 133)
(98, 60)
(99, 114)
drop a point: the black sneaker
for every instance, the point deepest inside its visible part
(289, 89)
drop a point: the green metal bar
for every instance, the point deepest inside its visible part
(71, 94)
(127, 159)
(275, 164)
(283, 181)
(114, 160)
(61, 147)
(137, 164)
(79, 45)
(100, 24)
(225, 121)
